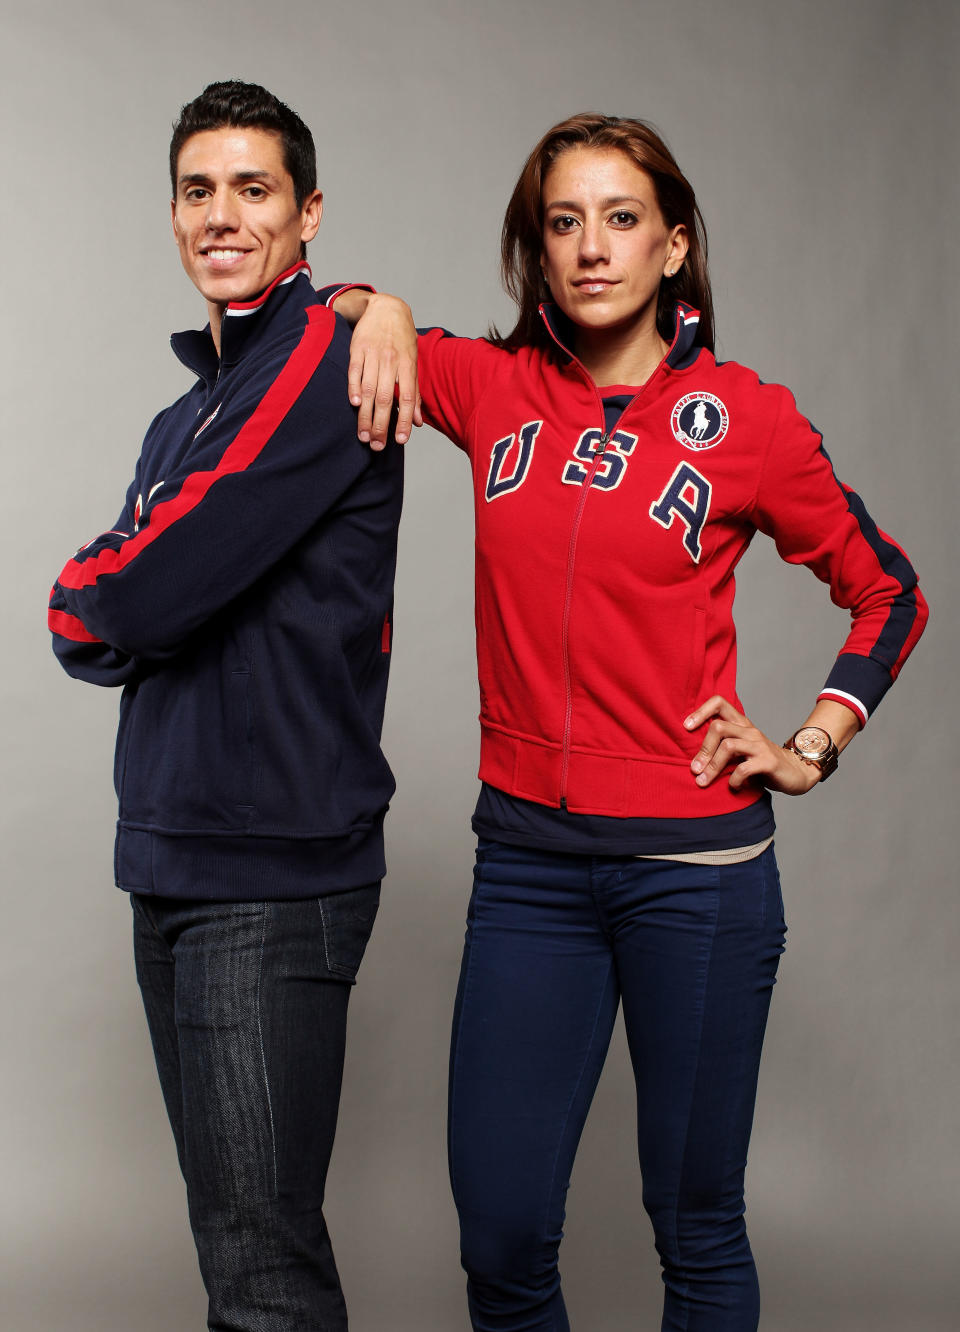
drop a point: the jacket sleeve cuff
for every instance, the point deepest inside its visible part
(84, 656)
(329, 294)
(858, 682)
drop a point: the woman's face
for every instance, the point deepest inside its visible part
(606, 247)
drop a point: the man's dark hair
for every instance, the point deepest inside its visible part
(248, 106)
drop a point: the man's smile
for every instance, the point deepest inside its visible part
(223, 254)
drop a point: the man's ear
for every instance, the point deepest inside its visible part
(310, 215)
(173, 219)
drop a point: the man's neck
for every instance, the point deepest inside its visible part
(215, 311)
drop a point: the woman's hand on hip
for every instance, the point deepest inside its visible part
(731, 738)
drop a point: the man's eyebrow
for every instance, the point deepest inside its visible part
(201, 178)
(254, 174)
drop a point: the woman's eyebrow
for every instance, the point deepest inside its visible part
(575, 207)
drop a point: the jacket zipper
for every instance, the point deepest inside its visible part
(567, 602)
(585, 489)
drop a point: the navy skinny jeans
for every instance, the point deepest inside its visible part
(247, 1008)
(554, 943)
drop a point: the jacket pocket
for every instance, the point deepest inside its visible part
(123, 740)
(698, 653)
(187, 759)
(239, 737)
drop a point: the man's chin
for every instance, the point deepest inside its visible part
(236, 289)
(225, 292)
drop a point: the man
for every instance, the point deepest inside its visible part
(243, 600)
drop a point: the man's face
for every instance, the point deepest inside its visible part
(235, 217)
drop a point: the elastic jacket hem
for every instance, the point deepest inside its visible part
(235, 868)
(591, 783)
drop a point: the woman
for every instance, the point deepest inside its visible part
(625, 826)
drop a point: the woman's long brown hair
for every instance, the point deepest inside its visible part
(522, 238)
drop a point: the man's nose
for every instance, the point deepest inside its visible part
(222, 211)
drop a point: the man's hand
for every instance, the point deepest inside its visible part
(732, 738)
(383, 356)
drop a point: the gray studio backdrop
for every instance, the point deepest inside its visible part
(822, 141)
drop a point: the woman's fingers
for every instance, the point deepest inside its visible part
(383, 370)
(731, 740)
(716, 706)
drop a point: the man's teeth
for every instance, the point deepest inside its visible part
(224, 254)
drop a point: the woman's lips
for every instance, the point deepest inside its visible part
(593, 286)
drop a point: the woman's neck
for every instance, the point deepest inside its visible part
(619, 356)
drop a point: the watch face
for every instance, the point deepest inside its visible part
(811, 742)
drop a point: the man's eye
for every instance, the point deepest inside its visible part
(196, 194)
(255, 192)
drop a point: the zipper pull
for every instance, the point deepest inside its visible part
(594, 467)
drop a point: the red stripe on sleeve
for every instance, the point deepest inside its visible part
(68, 626)
(919, 624)
(252, 437)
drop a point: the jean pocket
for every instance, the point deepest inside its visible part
(488, 848)
(347, 924)
(774, 887)
(484, 846)
(770, 893)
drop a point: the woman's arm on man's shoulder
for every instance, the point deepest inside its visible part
(383, 363)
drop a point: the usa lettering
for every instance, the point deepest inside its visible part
(613, 466)
(686, 496)
(500, 479)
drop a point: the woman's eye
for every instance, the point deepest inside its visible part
(563, 222)
(623, 218)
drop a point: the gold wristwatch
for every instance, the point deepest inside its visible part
(813, 745)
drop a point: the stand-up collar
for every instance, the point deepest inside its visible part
(241, 321)
(683, 350)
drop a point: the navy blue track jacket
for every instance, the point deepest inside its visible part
(244, 600)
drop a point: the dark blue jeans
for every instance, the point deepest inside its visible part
(247, 1008)
(554, 943)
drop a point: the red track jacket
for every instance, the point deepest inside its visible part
(605, 565)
